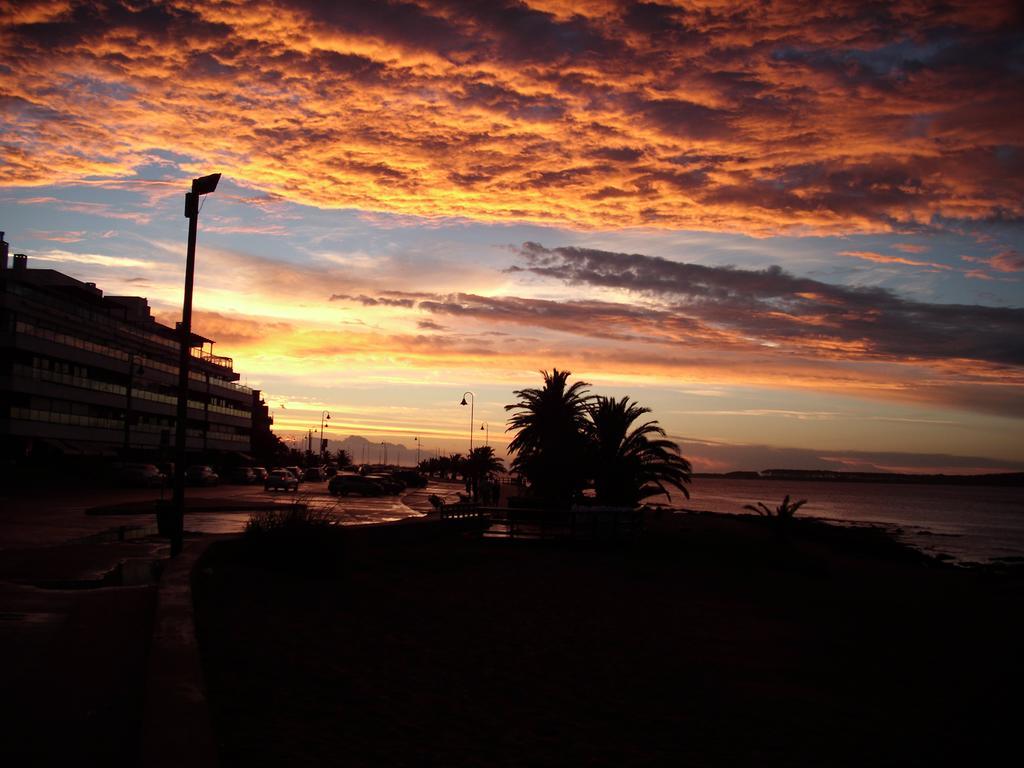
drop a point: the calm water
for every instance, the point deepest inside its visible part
(971, 524)
(978, 524)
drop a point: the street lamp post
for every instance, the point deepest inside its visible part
(201, 186)
(472, 404)
(323, 415)
(486, 429)
(417, 452)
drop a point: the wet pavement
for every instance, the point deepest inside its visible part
(50, 517)
(78, 596)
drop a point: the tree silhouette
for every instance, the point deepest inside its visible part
(631, 463)
(550, 440)
(781, 515)
(480, 466)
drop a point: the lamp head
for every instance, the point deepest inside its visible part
(463, 401)
(204, 185)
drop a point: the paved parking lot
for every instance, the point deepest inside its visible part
(47, 517)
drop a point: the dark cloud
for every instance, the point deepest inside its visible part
(776, 306)
(407, 24)
(373, 301)
(521, 33)
(509, 102)
(430, 325)
(677, 117)
(595, 319)
(618, 154)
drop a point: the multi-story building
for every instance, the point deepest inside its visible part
(86, 374)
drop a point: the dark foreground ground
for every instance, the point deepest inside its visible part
(708, 641)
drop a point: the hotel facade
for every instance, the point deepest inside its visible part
(85, 374)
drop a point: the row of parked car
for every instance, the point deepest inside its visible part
(157, 475)
(374, 483)
(363, 483)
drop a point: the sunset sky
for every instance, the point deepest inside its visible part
(793, 230)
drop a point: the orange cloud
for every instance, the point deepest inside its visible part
(879, 258)
(751, 117)
(1004, 261)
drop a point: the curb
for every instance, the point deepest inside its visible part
(176, 728)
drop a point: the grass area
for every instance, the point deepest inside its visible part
(709, 641)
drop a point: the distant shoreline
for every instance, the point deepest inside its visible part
(1002, 479)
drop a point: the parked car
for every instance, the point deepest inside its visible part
(296, 471)
(261, 473)
(281, 480)
(243, 476)
(315, 474)
(141, 476)
(389, 483)
(200, 474)
(411, 478)
(343, 485)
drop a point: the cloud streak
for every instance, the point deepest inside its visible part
(773, 306)
(677, 320)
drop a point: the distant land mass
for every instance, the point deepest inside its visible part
(999, 478)
(365, 451)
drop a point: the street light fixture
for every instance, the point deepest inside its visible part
(486, 429)
(176, 525)
(472, 404)
(323, 415)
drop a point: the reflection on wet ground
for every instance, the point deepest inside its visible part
(350, 510)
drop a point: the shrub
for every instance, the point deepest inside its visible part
(782, 514)
(297, 518)
(296, 538)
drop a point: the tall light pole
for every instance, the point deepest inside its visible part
(176, 528)
(417, 439)
(323, 415)
(472, 404)
(486, 429)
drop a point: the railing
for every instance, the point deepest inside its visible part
(71, 341)
(463, 511)
(209, 357)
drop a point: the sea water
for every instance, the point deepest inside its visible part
(966, 523)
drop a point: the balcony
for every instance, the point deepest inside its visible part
(209, 357)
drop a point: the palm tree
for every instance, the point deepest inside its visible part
(450, 466)
(481, 466)
(782, 514)
(549, 444)
(631, 463)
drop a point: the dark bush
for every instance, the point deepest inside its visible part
(296, 538)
